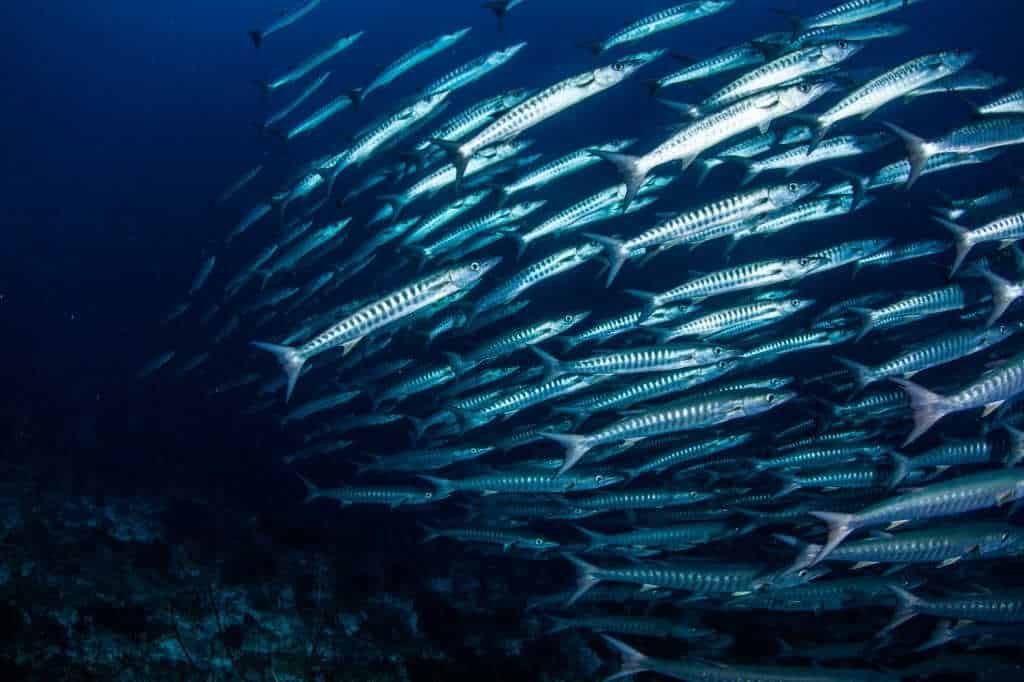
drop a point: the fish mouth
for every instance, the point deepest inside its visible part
(489, 264)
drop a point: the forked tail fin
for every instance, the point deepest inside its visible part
(291, 362)
(928, 408)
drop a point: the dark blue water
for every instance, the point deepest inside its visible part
(125, 120)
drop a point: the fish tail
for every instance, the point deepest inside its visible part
(862, 374)
(706, 166)
(928, 408)
(575, 447)
(458, 365)
(552, 365)
(839, 526)
(649, 300)
(431, 532)
(520, 241)
(682, 108)
(633, 174)
(257, 37)
(1016, 453)
(596, 47)
(457, 158)
(397, 202)
(312, 492)
(942, 634)
(291, 361)
(633, 661)
(901, 466)
(919, 151)
(586, 577)
(867, 317)
(790, 484)
(616, 252)
(908, 606)
(751, 171)
(596, 539)
(1003, 293)
(964, 243)
(357, 97)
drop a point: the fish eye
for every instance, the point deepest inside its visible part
(805, 88)
(795, 303)
(843, 44)
(802, 573)
(793, 187)
(567, 318)
(618, 67)
(723, 364)
(475, 267)
(770, 397)
(718, 351)
(598, 478)
(539, 541)
(428, 495)
(803, 261)
(1003, 329)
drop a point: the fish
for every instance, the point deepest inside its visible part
(409, 61)
(285, 20)
(312, 62)
(473, 71)
(347, 332)
(669, 18)
(756, 111)
(541, 106)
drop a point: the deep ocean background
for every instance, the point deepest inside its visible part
(124, 120)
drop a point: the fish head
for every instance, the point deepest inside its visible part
(587, 251)
(514, 97)
(762, 401)
(456, 36)
(798, 304)
(501, 56)
(951, 61)
(656, 182)
(570, 320)
(426, 105)
(782, 196)
(538, 544)
(525, 209)
(725, 365)
(617, 71)
(796, 97)
(594, 480)
(1000, 332)
(463, 276)
(840, 50)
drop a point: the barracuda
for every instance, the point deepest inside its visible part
(542, 106)
(559, 168)
(693, 226)
(523, 337)
(349, 331)
(748, 54)
(664, 20)
(721, 321)
(696, 413)
(410, 60)
(757, 111)
(284, 21)
(473, 71)
(947, 348)
(316, 60)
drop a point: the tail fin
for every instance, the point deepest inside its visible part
(520, 240)
(1004, 293)
(500, 9)
(312, 492)
(1016, 453)
(868, 321)
(909, 606)
(653, 87)
(596, 539)
(649, 299)
(633, 661)
(751, 170)
(356, 95)
(431, 533)
(616, 252)
(862, 374)
(706, 166)
(964, 244)
(633, 174)
(397, 202)
(291, 362)
(596, 47)
(457, 364)
(928, 408)
(552, 365)
(575, 447)
(901, 467)
(943, 633)
(443, 486)
(839, 526)
(455, 155)
(681, 108)
(257, 37)
(859, 184)
(919, 151)
(586, 577)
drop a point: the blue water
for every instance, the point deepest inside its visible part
(125, 120)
